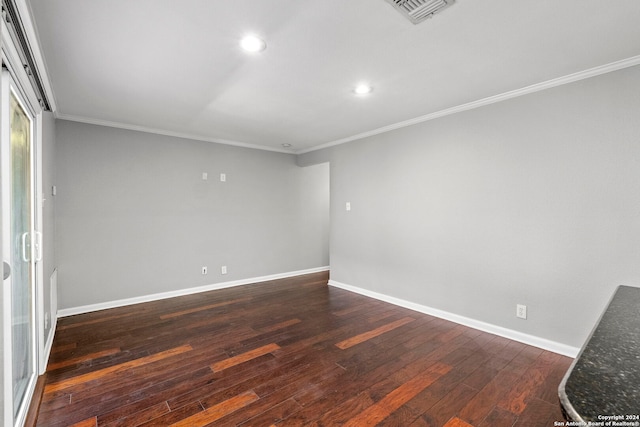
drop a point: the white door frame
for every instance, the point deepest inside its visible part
(21, 84)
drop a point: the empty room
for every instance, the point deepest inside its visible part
(320, 213)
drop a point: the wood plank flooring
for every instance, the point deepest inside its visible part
(291, 352)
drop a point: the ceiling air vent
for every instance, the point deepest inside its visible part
(419, 10)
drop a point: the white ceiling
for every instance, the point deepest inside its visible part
(174, 66)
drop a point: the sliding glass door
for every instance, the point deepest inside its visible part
(19, 244)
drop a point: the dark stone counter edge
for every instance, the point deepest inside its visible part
(565, 404)
(567, 408)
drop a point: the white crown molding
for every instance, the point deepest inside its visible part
(570, 78)
(164, 132)
(542, 343)
(181, 292)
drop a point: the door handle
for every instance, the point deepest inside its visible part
(25, 257)
(6, 270)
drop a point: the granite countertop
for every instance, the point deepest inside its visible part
(604, 380)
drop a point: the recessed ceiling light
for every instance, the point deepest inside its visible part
(286, 145)
(253, 43)
(362, 89)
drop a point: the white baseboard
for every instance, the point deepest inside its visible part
(180, 292)
(542, 343)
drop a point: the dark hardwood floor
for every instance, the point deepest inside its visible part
(292, 352)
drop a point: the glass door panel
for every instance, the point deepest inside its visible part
(18, 213)
(22, 272)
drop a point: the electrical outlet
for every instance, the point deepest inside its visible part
(223, 269)
(223, 177)
(347, 206)
(46, 320)
(521, 311)
(204, 270)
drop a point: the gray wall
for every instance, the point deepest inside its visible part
(134, 216)
(48, 213)
(534, 201)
